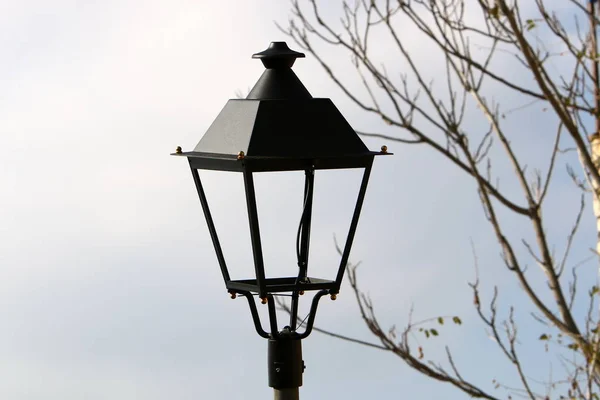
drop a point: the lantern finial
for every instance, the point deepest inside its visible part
(278, 56)
(278, 81)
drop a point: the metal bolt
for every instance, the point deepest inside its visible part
(241, 155)
(233, 295)
(277, 369)
(384, 149)
(301, 292)
(333, 296)
(263, 300)
(178, 150)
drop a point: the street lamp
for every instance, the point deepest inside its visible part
(279, 126)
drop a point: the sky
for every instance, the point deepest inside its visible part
(109, 287)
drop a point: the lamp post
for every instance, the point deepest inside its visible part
(280, 127)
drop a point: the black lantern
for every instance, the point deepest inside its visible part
(279, 126)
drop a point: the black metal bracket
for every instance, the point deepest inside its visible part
(257, 325)
(313, 313)
(274, 331)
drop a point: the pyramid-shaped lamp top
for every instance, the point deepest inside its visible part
(279, 120)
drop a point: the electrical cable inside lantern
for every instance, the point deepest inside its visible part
(302, 258)
(298, 245)
(302, 273)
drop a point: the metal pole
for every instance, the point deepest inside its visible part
(286, 394)
(285, 364)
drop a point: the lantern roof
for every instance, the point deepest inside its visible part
(279, 126)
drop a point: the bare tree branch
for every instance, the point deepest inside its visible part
(535, 57)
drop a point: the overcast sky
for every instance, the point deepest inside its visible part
(109, 287)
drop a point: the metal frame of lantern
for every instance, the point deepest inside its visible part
(266, 287)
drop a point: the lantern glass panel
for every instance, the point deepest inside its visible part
(279, 201)
(226, 198)
(334, 200)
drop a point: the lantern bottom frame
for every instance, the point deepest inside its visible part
(277, 285)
